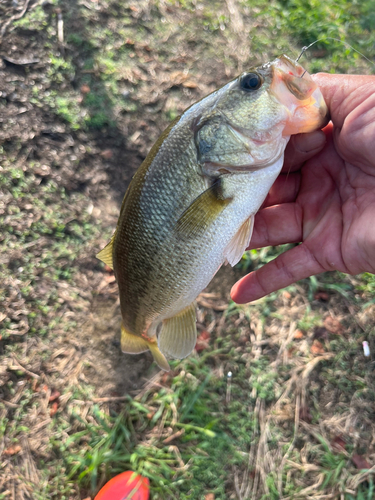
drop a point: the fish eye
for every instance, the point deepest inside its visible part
(251, 81)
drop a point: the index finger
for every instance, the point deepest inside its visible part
(301, 148)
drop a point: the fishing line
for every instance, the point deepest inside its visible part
(304, 49)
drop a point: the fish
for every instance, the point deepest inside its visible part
(190, 206)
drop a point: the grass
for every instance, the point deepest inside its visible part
(268, 431)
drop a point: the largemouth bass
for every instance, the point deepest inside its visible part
(190, 206)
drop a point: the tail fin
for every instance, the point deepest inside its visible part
(134, 344)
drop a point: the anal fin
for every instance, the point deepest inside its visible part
(134, 344)
(178, 335)
(237, 246)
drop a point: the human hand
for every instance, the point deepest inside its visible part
(327, 202)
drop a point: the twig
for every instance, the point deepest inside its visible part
(20, 367)
(8, 403)
(14, 18)
(174, 436)
(60, 29)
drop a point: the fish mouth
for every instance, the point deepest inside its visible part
(293, 86)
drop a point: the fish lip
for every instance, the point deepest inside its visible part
(304, 93)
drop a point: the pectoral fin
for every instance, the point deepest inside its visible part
(236, 247)
(178, 335)
(133, 344)
(105, 255)
(202, 211)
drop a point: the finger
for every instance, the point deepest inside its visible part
(277, 225)
(301, 148)
(289, 267)
(283, 190)
(343, 93)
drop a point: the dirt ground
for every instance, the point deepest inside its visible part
(85, 89)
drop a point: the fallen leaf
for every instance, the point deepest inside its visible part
(320, 333)
(360, 462)
(291, 351)
(286, 295)
(177, 77)
(338, 443)
(305, 415)
(107, 154)
(243, 339)
(54, 395)
(317, 347)
(333, 325)
(298, 335)
(12, 450)
(202, 341)
(321, 296)
(190, 84)
(85, 89)
(209, 496)
(54, 408)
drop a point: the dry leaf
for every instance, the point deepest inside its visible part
(54, 408)
(317, 347)
(321, 296)
(305, 415)
(54, 395)
(291, 351)
(209, 496)
(338, 443)
(320, 333)
(298, 335)
(106, 154)
(202, 341)
(12, 450)
(360, 462)
(190, 84)
(85, 89)
(333, 325)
